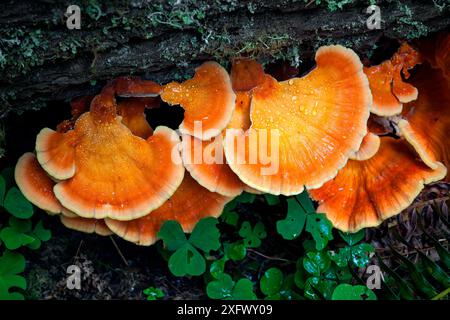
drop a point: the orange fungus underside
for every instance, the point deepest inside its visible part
(35, 184)
(190, 203)
(86, 225)
(364, 193)
(133, 116)
(426, 121)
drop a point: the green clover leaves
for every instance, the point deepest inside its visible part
(187, 260)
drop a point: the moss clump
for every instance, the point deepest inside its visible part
(21, 50)
(332, 5)
(407, 26)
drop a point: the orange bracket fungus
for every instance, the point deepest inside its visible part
(426, 121)
(207, 100)
(136, 87)
(80, 105)
(303, 130)
(388, 88)
(106, 170)
(86, 225)
(371, 142)
(364, 193)
(37, 187)
(368, 148)
(35, 184)
(133, 116)
(190, 203)
(205, 159)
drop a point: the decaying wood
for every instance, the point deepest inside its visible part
(41, 60)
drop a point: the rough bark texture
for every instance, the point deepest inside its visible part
(41, 60)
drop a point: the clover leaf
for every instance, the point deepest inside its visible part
(300, 212)
(235, 251)
(299, 276)
(186, 260)
(153, 293)
(246, 197)
(16, 204)
(287, 290)
(217, 267)
(230, 217)
(11, 264)
(42, 233)
(353, 238)
(320, 228)
(316, 263)
(15, 235)
(205, 235)
(291, 227)
(316, 288)
(348, 292)
(221, 288)
(271, 282)
(225, 288)
(243, 290)
(252, 237)
(172, 234)
(358, 255)
(305, 201)
(271, 199)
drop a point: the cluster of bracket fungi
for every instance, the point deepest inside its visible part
(106, 170)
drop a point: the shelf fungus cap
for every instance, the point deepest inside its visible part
(403, 60)
(132, 111)
(108, 171)
(246, 74)
(80, 105)
(205, 160)
(207, 100)
(369, 147)
(426, 121)
(364, 193)
(371, 142)
(206, 163)
(190, 203)
(136, 87)
(389, 91)
(304, 129)
(35, 184)
(385, 103)
(86, 225)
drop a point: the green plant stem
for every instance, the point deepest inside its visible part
(118, 250)
(441, 294)
(267, 257)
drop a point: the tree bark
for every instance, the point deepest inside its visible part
(41, 60)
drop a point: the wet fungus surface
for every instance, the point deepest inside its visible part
(106, 170)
